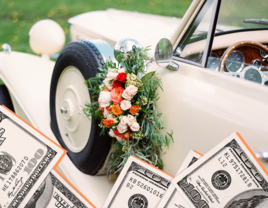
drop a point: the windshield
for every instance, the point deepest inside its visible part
(233, 13)
(237, 15)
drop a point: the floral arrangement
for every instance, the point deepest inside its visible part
(124, 98)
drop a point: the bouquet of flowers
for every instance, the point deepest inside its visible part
(124, 98)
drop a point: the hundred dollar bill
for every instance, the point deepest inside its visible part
(172, 198)
(56, 192)
(229, 176)
(139, 185)
(26, 158)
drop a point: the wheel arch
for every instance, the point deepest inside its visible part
(105, 49)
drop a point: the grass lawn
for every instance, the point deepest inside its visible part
(18, 16)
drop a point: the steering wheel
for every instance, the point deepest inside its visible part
(251, 72)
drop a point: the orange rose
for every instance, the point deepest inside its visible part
(107, 123)
(116, 110)
(106, 90)
(126, 135)
(134, 109)
(116, 95)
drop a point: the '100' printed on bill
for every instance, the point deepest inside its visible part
(26, 158)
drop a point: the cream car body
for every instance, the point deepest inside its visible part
(201, 106)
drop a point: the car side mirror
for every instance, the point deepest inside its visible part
(163, 54)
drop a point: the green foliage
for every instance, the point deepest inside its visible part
(17, 16)
(146, 143)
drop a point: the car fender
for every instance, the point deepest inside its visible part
(28, 78)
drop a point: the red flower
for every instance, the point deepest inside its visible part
(121, 77)
(116, 83)
(116, 95)
(116, 133)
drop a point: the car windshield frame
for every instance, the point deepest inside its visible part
(210, 34)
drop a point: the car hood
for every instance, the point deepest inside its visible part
(145, 28)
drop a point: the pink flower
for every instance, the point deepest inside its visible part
(124, 120)
(132, 90)
(126, 95)
(121, 127)
(131, 119)
(125, 104)
(116, 95)
(135, 127)
(129, 92)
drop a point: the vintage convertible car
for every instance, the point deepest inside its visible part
(214, 82)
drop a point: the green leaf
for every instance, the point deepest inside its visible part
(148, 76)
(98, 114)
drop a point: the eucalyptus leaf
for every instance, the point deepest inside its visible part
(148, 76)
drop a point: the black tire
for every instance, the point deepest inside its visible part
(5, 98)
(87, 59)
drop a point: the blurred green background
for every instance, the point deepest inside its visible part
(18, 16)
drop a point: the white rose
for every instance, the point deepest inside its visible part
(125, 104)
(131, 119)
(126, 95)
(112, 75)
(124, 120)
(104, 99)
(132, 90)
(135, 127)
(106, 81)
(105, 113)
(122, 127)
(121, 70)
(110, 116)
(111, 132)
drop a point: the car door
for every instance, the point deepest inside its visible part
(202, 106)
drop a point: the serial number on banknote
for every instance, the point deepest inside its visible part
(237, 167)
(133, 181)
(15, 173)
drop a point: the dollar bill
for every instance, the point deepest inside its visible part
(139, 185)
(172, 198)
(229, 176)
(56, 192)
(26, 158)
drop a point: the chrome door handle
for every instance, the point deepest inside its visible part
(262, 155)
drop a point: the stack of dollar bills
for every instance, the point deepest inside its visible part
(228, 176)
(28, 174)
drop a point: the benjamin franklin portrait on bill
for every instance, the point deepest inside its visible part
(250, 199)
(42, 196)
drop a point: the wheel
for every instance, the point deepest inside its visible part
(78, 61)
(5, 98)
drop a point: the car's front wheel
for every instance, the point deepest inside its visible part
(80, 136)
